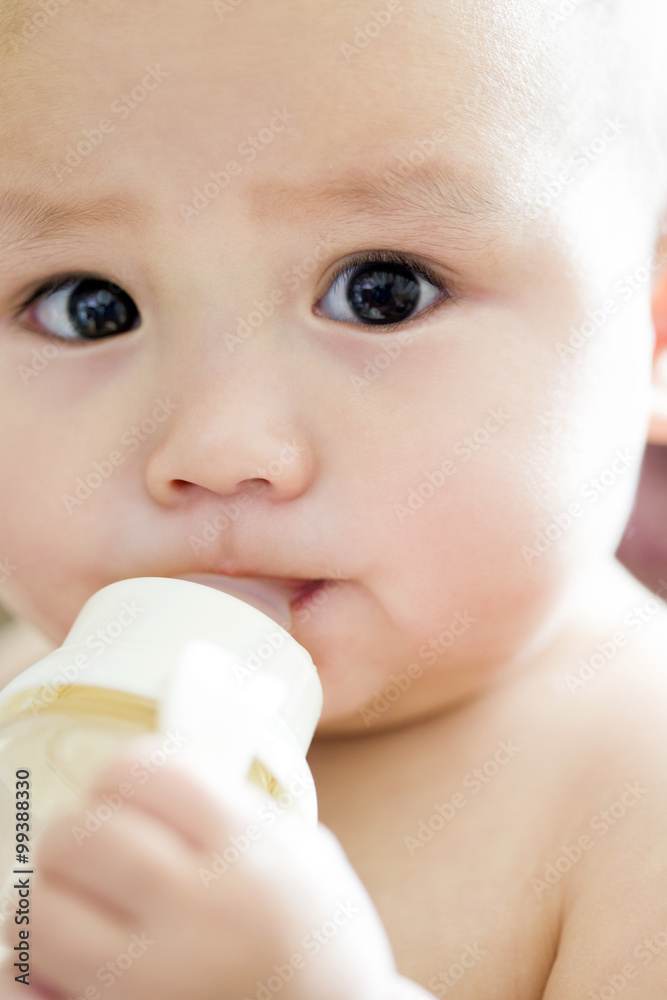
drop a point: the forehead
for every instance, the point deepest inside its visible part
(465, 88)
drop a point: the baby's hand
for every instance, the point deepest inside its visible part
(147, 907)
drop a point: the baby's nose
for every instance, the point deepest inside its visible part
(234, 440)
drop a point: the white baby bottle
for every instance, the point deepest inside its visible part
(218, 675)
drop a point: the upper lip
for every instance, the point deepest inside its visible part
(293, 583)
(287, 581)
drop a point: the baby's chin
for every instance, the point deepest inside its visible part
(398, 702)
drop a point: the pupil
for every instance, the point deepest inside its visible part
(383, 294)
(100, 308)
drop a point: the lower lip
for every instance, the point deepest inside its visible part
(304, 595)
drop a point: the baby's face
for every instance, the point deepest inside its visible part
(409, 431)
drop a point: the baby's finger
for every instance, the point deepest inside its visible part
(132, 866)
(176, 793)
(71, 940)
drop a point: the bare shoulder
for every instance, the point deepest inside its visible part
(613, 861)
(619, 687)
(20, 646)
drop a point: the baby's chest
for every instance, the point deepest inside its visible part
(458, 910)
(450, 877)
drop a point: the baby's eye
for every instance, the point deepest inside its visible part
(80, 309)
(384, 289)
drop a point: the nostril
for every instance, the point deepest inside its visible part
(257, 485)
(181, 486)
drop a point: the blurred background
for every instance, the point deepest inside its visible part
(643, 548)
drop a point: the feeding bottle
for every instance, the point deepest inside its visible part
(207, 664)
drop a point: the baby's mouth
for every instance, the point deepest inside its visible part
(268, 596)
(302, 595)
(277, 597)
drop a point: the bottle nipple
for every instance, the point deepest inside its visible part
(268, 596)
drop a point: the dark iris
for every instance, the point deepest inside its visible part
(383, 294)
(99, 308)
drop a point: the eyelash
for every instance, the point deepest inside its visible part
(54, 285)
(348, 267)
(50, 287)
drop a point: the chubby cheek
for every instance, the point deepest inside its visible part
(468, 594)
(65, 527)
(447, 511)
(55, 550)
(44, 545)
(501, 499)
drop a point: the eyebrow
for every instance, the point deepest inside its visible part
(397, 189)
(28, 220)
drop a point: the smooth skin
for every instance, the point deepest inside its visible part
(325, 451)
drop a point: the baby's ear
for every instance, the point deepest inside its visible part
(658, 427)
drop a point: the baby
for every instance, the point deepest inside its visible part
(368, 299)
